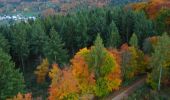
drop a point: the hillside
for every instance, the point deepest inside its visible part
(152, 7)
(87, 49)
(34, 7)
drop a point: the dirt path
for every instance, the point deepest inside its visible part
(123, 94)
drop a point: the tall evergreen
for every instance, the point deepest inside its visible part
(37, 39)
(97, 55)
(143, 27)
(11, 80)
(127, 25)
(20, 44)
(114, 39)
(134, 41)
(54, 48)
(4, 44)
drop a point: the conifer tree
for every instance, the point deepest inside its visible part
(134, 41)
(4, 44)
(114, 38)
(11, 80)
(142, 26)
(37, 40)
(97, 55)
(20, 45)
(54, 49)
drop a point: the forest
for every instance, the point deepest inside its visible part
(39, 7)
(87, 55)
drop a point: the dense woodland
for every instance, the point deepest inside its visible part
(86, 54)
(46, 7)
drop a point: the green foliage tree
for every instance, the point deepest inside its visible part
(162, 21)
(103, 64)
(54, 48)
(97, 56)
(20, 44)
(127, 25)
(11, 80)
(4, 44)
(134, 41)
(114, 38)
(129, 62)
(160, 61)
(143, 27)
(147, 47)
(37, 39)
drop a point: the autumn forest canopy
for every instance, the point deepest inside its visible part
(88, 54)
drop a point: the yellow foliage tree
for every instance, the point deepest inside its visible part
(81, 71)
(133, 62)
(20, 96)
(42, 70)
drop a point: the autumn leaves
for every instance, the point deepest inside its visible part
(93, 71)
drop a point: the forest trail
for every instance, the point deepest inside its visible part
(123, 94)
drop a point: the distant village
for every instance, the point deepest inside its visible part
(17, 17)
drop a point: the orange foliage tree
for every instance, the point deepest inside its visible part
(128, 62)
(42, 70)
(106, 69)
(63, 86)
(93, 71)
(81, 71)
(20, 96)
(133, 61)
(154, 40)
(138, 6)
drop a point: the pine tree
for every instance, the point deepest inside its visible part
(4, 44)
(97, 55)
(11, 80)
(54, 49)
(114, 38)
(142, 26)
(37, 40)
(134, 41)
(20, 45)
(127, 25)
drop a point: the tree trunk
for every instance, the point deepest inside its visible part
(22, 64)
(40, 58)
(160, 76)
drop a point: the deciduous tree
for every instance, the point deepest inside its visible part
(160, 62)
(42, 70)
(82, 73)
(20, 96)
(107, 73)
(63, 86)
